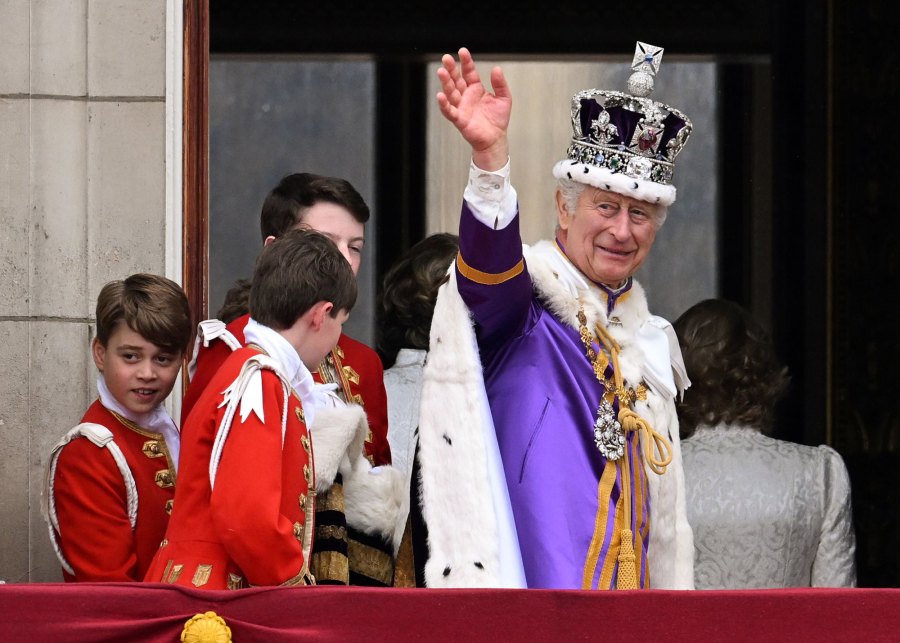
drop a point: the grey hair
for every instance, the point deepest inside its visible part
(571, 191)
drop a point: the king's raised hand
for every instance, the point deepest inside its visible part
(481, 117)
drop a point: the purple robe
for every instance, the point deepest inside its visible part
(544, 397)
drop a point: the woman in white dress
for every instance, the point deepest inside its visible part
(765, 512)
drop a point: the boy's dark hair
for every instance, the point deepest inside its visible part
(410, 292)
(154, 307)
(288, 202)
(736, 378)
(297, 270)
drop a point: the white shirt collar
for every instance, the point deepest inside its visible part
(156, 420)
(295, 370)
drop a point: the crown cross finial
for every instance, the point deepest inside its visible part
(647, 58)
(645, 65)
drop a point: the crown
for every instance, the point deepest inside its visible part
(627, 142)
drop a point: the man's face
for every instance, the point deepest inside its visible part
(608, 235)
(338, 224)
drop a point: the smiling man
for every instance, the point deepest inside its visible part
(573, 479)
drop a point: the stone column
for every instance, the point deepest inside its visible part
(83, 187)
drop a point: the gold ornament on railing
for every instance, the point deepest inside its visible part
(206, 628)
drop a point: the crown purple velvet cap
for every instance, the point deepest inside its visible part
(626, 143)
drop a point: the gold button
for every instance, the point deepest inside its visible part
(152, 449)
(165, 478)
(300, 414)
(305, 442)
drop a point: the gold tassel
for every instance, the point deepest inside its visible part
(627, 578)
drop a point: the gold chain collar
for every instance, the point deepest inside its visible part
(615, 389)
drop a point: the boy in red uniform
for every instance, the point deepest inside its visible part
(357, 538)
(333, 207)
(110, 481)
(244, 507)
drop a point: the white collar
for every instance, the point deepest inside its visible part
(157, 420)
(278, 348)
(568, 274)
(410, 357)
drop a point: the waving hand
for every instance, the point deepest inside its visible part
(480, 116)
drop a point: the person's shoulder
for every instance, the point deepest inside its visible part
(831, 457)
(99, 414)
(821, 456)
(81, 452)
(237, 326)
(210, 358)
(234, 362)
(236, 368)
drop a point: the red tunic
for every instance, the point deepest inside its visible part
(359, 367)
(250, 527)
(95, 533)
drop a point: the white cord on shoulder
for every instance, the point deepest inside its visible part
(207, 331)
(249, 399)
(101, 437)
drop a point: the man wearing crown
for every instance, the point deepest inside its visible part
(549, 453)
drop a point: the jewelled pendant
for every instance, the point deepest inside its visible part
(608, 434)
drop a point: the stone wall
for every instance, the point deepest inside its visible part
(85, 198)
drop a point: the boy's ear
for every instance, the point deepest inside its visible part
(320, 310)
(268, 240)
(98, 351)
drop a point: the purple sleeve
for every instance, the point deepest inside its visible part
(493, 280)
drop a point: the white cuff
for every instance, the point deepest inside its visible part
(491, 197)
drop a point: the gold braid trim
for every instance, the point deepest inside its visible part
(404, 565)
(331, 566)
(609, 563)
(370, 562)
(487, 278)
(604, 489)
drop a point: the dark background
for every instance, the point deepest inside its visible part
(809, 226)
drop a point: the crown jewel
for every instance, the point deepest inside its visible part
(628, 134)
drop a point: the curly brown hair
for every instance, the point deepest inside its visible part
(409, 293)
(736, 377)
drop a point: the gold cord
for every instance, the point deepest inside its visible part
(657, 450)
